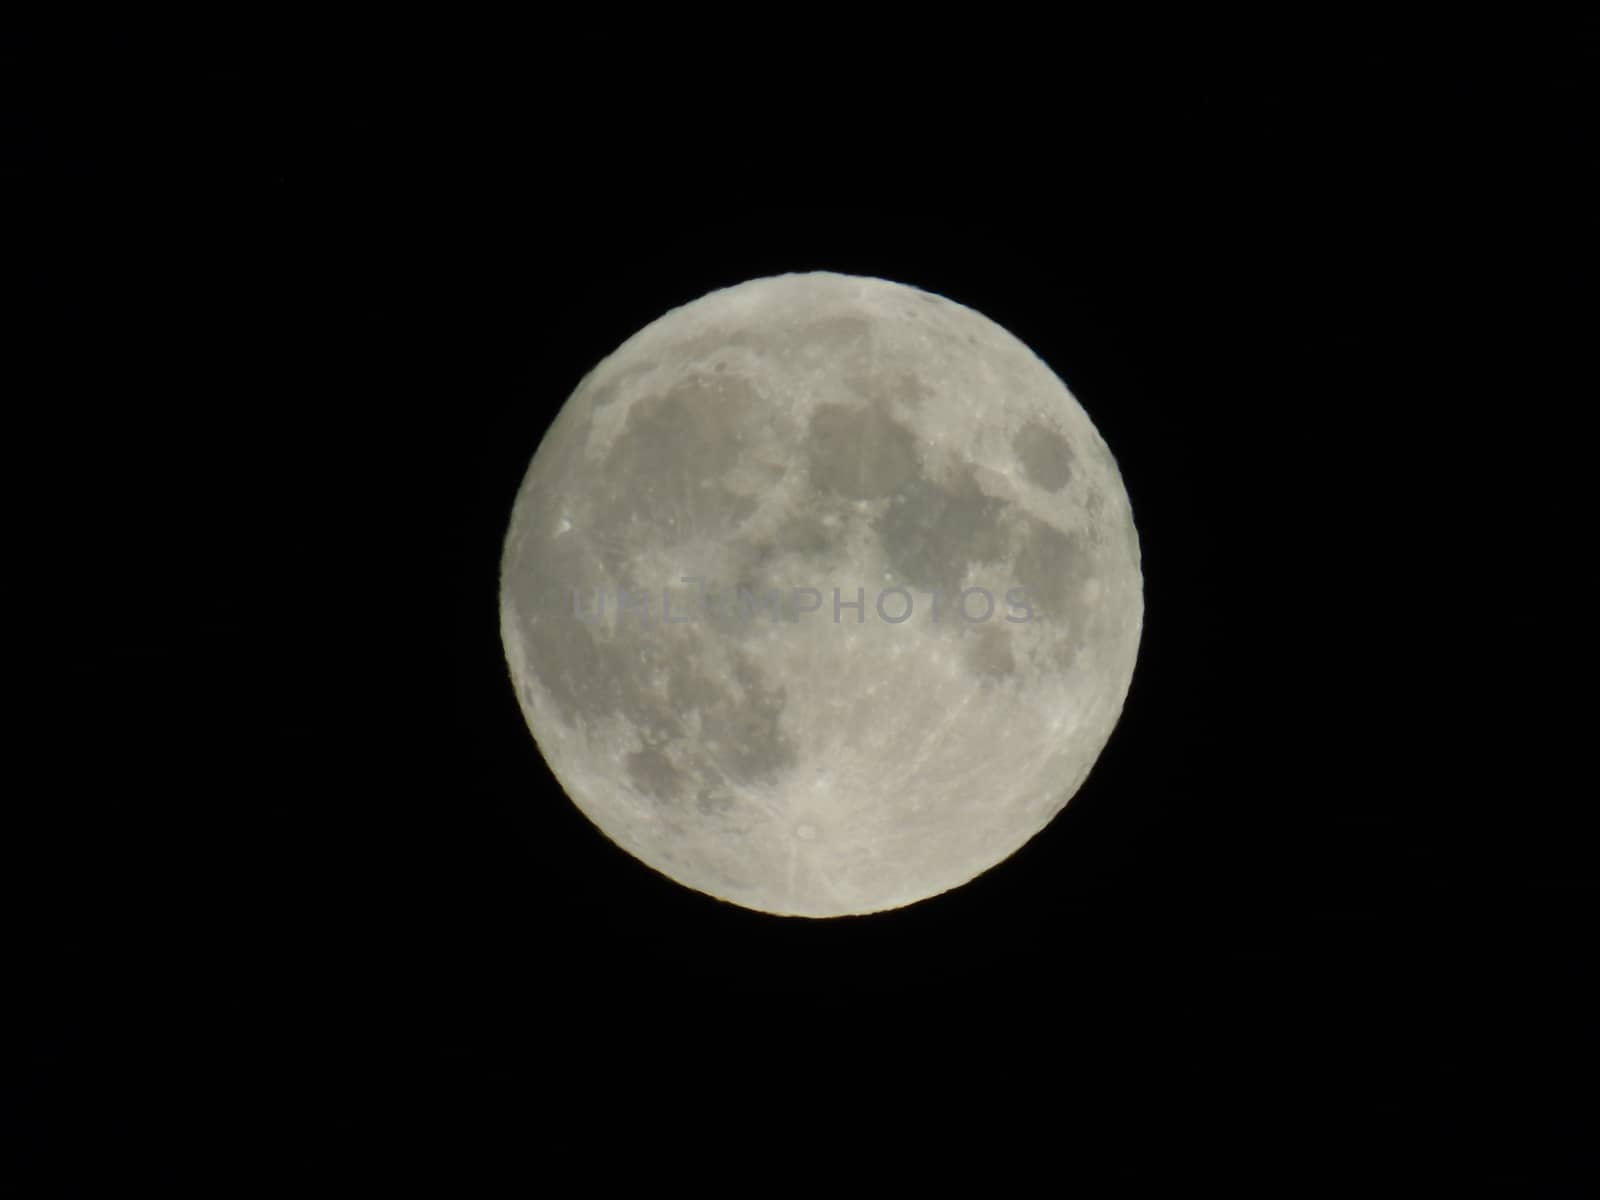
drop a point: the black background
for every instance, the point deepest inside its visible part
(294, 876)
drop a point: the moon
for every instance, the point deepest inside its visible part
(821, 595)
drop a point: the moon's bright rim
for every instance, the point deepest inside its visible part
(821, 432)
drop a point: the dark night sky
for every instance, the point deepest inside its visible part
(292, 863)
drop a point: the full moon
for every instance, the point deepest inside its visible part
(821, 595)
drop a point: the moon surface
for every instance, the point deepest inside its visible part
(821, 595)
